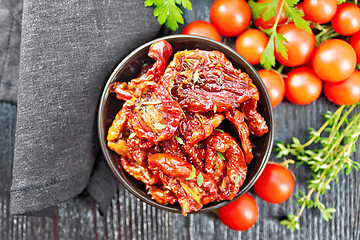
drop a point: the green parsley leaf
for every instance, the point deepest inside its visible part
(296, 15)
(279, 45)
(267, 11)
(200, 179)
(267, 59)
(179, 140)
(167, 11)
(133, 134)
(159, 126)
(192, 174)
(220, 155)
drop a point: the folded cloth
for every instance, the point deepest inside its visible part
(10, 33)
(68, 50)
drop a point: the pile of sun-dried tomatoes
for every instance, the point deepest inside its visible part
(170, 134)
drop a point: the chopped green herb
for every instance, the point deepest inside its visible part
(133, 134)
(179, 140)
(188, 61)
(200, 179)
(219, 130)
(220, 155)
(192, 174)
(215, 108)
(196, 76)
(237, 179)
(159, 126)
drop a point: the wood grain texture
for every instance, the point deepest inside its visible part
(129, 218)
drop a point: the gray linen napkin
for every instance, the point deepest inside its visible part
(10, 33)
(68, 50)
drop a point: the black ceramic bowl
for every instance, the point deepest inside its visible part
(130, 67)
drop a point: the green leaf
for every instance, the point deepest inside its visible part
(279, 45)
(192, 174)
(219, 130)
(196, 76)
(133, 134)
(179, 140)
(292, 222)
(149, 3)
(215, 108)
(296, 15)
(268, 9)
(168, 13)
(159, 126)
(186, 4)
(220, 155)
(200, 179)
(267, 59)
(188, 61)
(237, 180)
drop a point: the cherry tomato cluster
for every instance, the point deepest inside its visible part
(323, 61)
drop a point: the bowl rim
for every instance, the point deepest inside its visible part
(111, 162)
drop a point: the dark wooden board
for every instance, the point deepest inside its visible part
(129, 218)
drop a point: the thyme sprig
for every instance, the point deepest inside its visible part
(337, 138)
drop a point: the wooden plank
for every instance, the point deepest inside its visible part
(129, 218)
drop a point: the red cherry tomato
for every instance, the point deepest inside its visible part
(241, 214)
(346, 92)
(300, 7)
(302, 86)
(274, 84)
(260, 22)
(346, 21)
(251, 44)
(203, 29)
(300, 45)
(230, 17)
(355, 43)
(334, 60)
(275, 184)
(320, 11)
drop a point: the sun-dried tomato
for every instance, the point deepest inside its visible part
(205, 81)
(254, 120)
(160, 51)
(195, 155)
(154, 115)
(181, 178)
(161, 194)
(225, 163)
(139, 171)
(237, 118)
(172, 146)
(196, 127)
